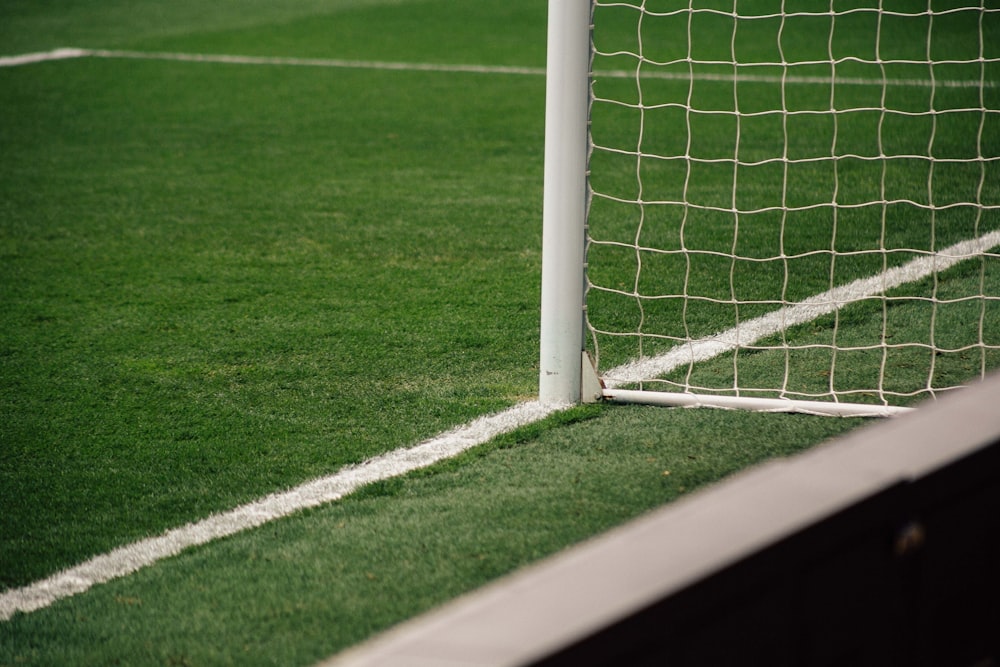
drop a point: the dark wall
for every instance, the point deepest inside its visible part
(910, 576)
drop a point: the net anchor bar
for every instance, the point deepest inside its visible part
(591, 384)
(686, 400)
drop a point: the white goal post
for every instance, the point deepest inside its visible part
(564, 205)
(770, 204)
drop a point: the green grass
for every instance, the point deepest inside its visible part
(300, 589)
(218, 281)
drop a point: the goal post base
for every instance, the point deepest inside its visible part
(591, 385)
(826, 408)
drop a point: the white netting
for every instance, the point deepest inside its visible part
(748, 157)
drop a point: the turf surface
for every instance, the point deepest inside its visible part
(300, 589)
(217, 281)
(203, 290)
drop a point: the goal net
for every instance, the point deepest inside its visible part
(791, 205)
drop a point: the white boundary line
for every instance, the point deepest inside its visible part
(132, 557)
(337, 63)
(29, 58)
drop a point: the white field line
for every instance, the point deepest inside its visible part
(753, 330)
(132, 557)
(318, 62)
(338, 63)
(29, 58)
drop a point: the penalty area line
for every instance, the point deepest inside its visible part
(340, 63)
(30, 58)
(335, 63)
(226, 59)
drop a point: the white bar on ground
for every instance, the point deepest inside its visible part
(684, 400)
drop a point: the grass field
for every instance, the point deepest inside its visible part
(218, 281)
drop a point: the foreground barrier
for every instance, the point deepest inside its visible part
(882, 547)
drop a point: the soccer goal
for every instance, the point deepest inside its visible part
(774, 204)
